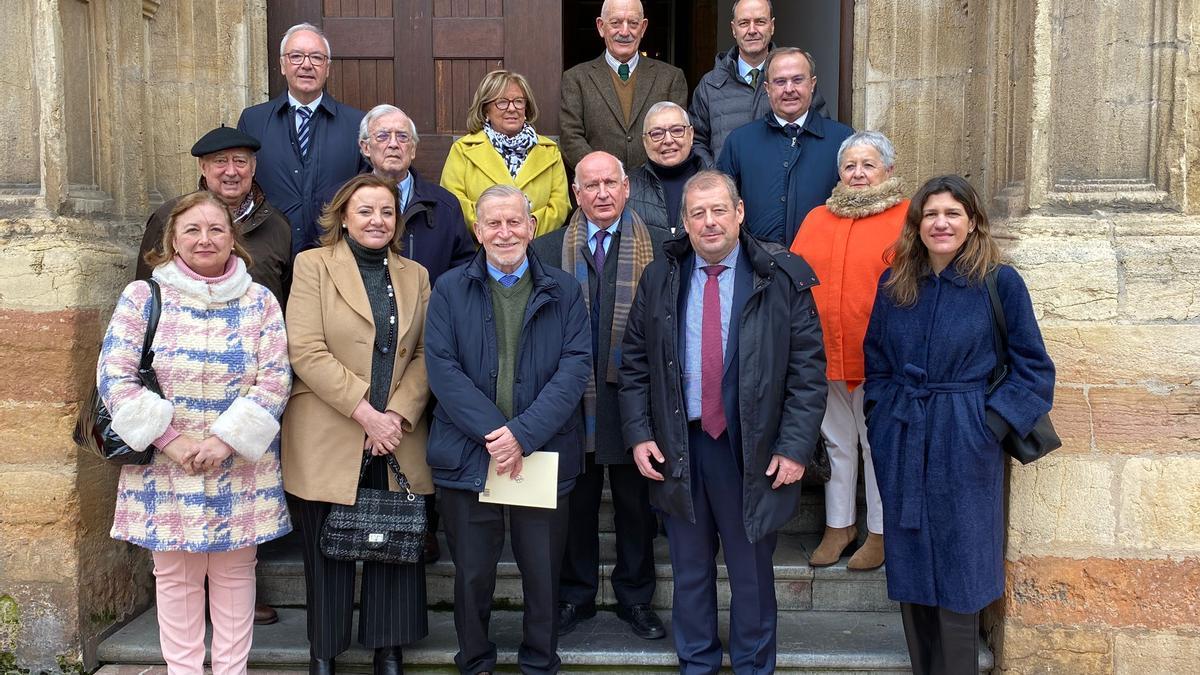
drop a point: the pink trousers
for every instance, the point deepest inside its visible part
(179, 582)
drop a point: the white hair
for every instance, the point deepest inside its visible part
(871, 139)
(364, 127)
(604, 8)
(498, 192)
(661, 106)
(304, 27)
(620, 166)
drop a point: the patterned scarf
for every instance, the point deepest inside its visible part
(634, 254)
(513, 149)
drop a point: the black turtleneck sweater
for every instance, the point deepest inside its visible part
(375, 276)
(673, 178)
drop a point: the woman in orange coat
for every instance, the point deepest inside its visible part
(846, 242)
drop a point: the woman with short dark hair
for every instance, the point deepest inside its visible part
(935, 421)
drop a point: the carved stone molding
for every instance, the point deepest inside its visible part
(150, 8)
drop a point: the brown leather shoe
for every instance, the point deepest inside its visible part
(264, 614)
(869, 556)
(834, 542)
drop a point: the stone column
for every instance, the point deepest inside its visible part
(102, 102)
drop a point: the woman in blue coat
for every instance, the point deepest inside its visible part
(934, 426)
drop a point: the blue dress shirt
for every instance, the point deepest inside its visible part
(518, 273)
(592, 229)
(693, 324)
(405, 187)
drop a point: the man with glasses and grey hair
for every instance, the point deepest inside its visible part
(785, 162)
(656, 187)
(308, 139)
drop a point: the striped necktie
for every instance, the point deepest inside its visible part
(304, 133)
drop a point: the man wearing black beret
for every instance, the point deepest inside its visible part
(227, 170)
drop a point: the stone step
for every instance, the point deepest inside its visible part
(798, 586)
(809, 642)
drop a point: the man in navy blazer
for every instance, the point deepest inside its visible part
(309, 140)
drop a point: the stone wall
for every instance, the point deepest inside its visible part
(1075, 117)
(102, 102)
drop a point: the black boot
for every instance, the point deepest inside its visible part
(320, 666)
(389, 661)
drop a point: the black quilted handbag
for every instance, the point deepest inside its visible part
(819, 471)
(1043, 439)
(381, 526)
(93, 427)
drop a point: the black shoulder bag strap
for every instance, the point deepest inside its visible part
(999, 330)
(146, 365)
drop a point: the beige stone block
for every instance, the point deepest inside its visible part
(1162, 276)
(38, 553)
(1156, 654)
(1061, 501)
(1139, 419)
(1160, 504)
(50, 273)
(1073, 419)
(20, 161)
(37, 497)
(1055, 651)
(37, 433)
(1069, 278)
(1125, 354)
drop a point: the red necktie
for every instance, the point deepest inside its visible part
(712, 361)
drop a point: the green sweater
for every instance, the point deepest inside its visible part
(509, 305)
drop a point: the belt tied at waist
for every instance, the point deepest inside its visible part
(914, 390)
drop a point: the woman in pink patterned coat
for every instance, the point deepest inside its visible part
(212, 490)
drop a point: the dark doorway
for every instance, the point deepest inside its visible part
(680, 32)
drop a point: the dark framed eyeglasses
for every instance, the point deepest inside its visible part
(504, 103)
(317, 59)
(658, 134)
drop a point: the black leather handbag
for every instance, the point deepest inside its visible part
(1043, 439)
(93, 426)
(381, 526)
(819, 471)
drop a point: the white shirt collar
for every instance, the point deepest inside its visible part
(744, 69)
(615, 64)
(799, 120)
(293, 102)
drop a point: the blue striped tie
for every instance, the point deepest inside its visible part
(304, 134)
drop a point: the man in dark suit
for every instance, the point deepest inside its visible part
(309, 140)
(723, 432)
(605, 100)
(606, 246)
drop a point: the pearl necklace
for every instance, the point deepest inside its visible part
(387, 346)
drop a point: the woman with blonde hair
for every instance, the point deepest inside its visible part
(356, 336)
(935, 418)
(502, 148)
(212, 490)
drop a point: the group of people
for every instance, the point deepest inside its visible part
(323, 304)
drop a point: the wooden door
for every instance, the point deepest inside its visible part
(428, 56)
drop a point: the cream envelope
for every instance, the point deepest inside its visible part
(537, 485)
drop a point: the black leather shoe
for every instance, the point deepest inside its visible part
(570, 615)
(643, 620)
(388, 661)
(321, 667)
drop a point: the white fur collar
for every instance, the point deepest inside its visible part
(169, 274)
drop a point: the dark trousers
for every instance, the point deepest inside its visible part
(392, 600)
(633, 576)
(475, 535)
(940, 642)
(716, 483)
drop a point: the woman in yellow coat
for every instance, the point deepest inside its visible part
(503, 149)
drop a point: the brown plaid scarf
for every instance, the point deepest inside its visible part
(634, 254)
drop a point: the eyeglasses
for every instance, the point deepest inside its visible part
(659, 134)
(504, 103)
(383, 136)
(781, 82)
(609, 185)
(317, 59)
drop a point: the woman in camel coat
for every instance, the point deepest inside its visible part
(356, 341)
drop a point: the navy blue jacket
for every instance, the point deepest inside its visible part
(781, 181)
(300, 188)
(435, 233)
(554, 358)
(939, 465)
